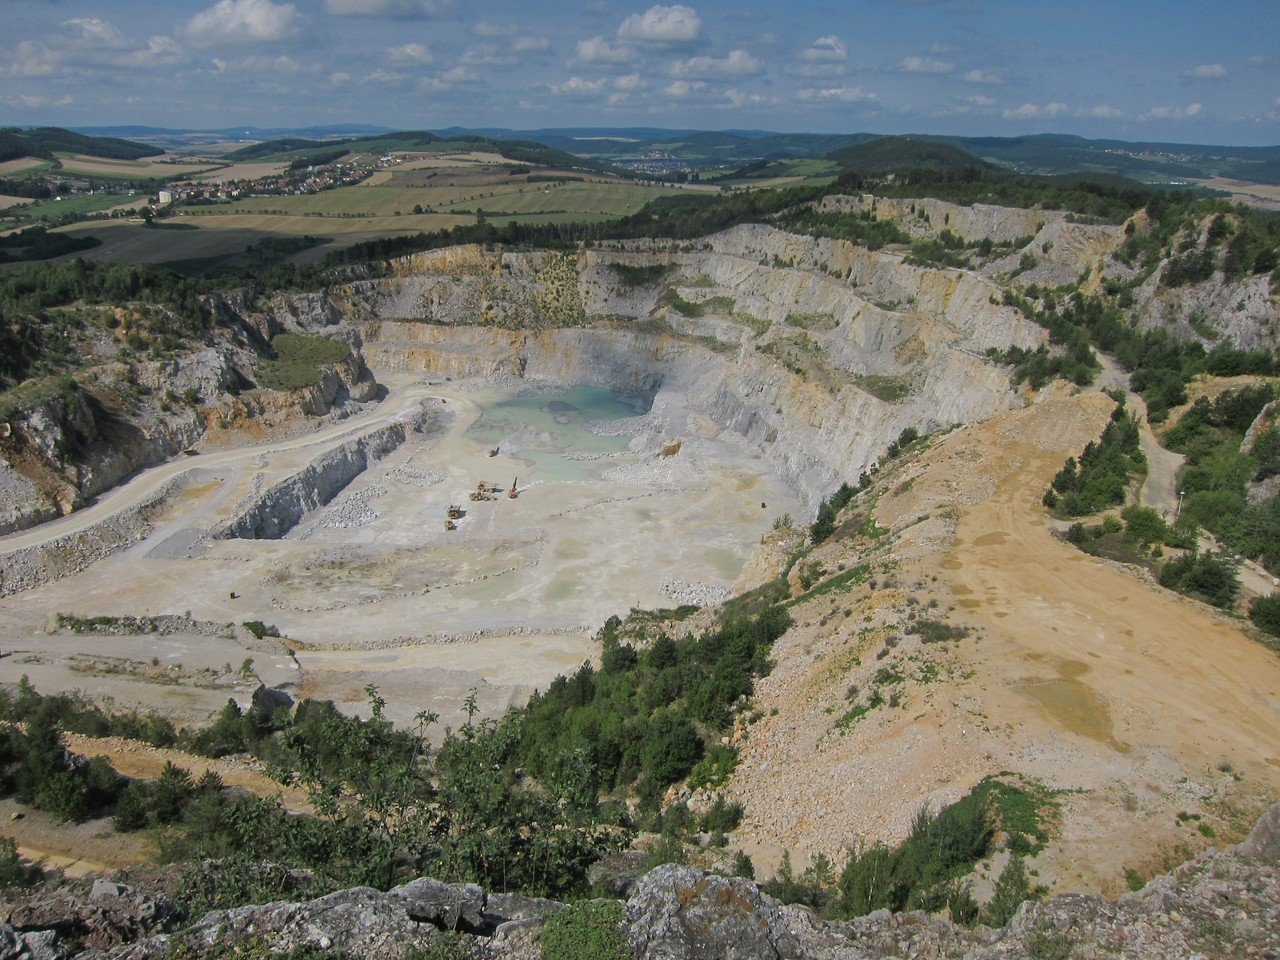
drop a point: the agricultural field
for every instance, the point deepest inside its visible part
(240, 171)
(81, 205)
(184, 239)
(7, 202)
(165, 166)
(11, 168)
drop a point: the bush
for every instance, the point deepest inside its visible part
(1205, 576)
(1265, 613)
(13, 872)
(591, 930)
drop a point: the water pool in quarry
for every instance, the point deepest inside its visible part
(615, 509)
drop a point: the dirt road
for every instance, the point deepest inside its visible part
(396, 406)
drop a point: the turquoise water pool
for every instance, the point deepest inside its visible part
(541, 431)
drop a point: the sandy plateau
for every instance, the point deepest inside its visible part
(372, 589)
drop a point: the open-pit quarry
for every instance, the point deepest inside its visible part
(637, 421)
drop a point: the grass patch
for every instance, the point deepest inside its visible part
(840, 583)
(888, 389)
(936, 631)
(630, 276)
(812, 321)
(299, 359)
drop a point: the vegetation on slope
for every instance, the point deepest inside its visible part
(904, 155)
(45, 141)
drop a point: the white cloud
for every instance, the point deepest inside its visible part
(1033, 111)
(835, 94)
(385, 76)
(991, 77)
(630, 81)
(1190, 111)
(410, 54)
(925, 65)
(736, 99)
(826, 49)
(33, 102)
(577, 87)
(242, 21)
(1101, 111)
(738, 63)
(980, 101)
(1207, 71)
(682, 88)
(87, 44)
(662, 25)
(599, 50)
(391, 9)
(339, 77)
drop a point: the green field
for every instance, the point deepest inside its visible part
(79, 206)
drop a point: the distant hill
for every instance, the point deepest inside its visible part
(276, 148)
(45, 141)
(521, 151)
(889, 155)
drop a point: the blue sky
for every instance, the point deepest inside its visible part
(1178, 70)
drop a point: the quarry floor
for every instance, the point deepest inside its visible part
(372, 589)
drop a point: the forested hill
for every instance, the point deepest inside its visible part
(46, 141)
(523, 151)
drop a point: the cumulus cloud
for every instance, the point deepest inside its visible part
(738, 63)
(87, 44)
(825, 49)
(736, 99)
(1034, 111)
(242, 21)
(978, 100)
(662, 25)
(410, 54)
(1206, 71)
(577, 87)
(925, 65)
(682, 88)
(1101, 111)
(834, 95)
(630, 81)
(1189, 112)
(599, 50)
(991, 77)
(390, 9)
(32, 102)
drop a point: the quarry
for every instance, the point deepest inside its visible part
(520, 446)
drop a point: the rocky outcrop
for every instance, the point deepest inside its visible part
(1224, 903)
(278, 510)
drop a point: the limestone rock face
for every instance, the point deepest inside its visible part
(676, 913)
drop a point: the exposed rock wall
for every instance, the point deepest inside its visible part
(804, 396)
(32, 566)
(123, 417)
(278, 510)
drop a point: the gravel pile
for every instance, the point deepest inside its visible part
(416, 477)
(701, 594)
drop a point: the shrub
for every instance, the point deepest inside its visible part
(591, 930)
(13, 872)
(1012, 889)
(1265, 613)
(1205, 576)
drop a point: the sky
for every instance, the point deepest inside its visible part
(1194, 71)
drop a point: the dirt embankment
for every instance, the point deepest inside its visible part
(1137, 705)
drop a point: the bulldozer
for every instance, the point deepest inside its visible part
(454, 513)
(450, 525)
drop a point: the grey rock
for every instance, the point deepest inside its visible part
(1263, 842)
(38, 945)
(443, 905)
(677, 913)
